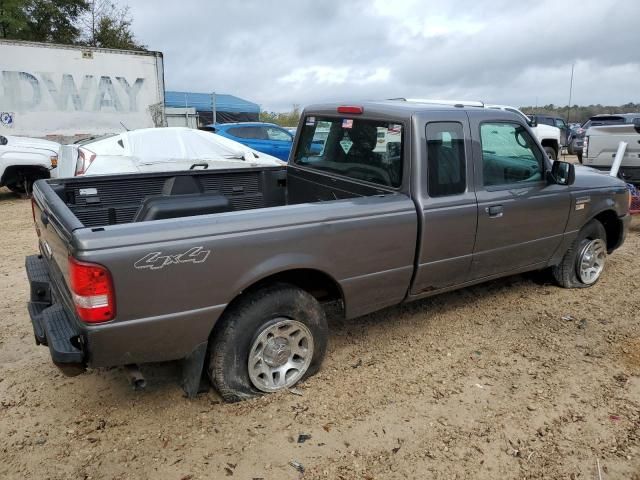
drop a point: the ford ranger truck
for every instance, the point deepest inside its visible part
(230, 271)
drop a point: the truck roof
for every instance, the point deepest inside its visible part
(397, 106)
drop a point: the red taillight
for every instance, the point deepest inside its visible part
(92, 291)
(351, 109)
(85, 159)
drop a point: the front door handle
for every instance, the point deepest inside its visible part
(494, 211)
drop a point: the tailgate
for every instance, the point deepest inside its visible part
(604, 141)
(54, 224)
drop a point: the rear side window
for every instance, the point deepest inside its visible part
(277, 134)
(446, 168)
(255, 133)
(367, 150)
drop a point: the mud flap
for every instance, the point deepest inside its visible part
(192, 369)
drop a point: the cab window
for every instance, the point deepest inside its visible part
(509, 155)
(445, 159)
(366, 150)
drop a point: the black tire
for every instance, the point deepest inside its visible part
(566, 272)
(242, 324)
(551, 152)
(580, 157)
(17, 188)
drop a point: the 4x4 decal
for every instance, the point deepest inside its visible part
(156, 260)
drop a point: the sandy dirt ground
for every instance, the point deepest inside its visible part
(514, 379)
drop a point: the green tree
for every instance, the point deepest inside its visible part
(285, 119)
(53, 20)
(107, 25)
(13, 18)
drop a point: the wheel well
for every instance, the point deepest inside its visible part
(612, 226)
(318, 284)
(15, 173)
(550, 143)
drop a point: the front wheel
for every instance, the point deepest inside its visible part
(551, 153)
(268, 341)
(584, 262)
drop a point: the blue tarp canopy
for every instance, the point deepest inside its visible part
(202, 102)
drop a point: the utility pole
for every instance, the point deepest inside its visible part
(213, 107)
(570, 92)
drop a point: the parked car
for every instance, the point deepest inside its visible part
(601, 144)
(157, 149)
(263, 137)
(548, 136)
(554, 121)
(24, 160)
(577, 141)
(229, 270)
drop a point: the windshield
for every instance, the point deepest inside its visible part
(365, 150)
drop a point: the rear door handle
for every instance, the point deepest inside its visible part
(494, 211)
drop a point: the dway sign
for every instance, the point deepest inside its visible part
(31, 92)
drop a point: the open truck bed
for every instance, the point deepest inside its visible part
(96, 201)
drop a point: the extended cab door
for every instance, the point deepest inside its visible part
(521, 218)
(446, 202)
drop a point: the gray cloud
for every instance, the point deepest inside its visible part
(283, 52)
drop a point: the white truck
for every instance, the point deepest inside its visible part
(547, 135)
(65, 93)
(23, 160)
(601, 144)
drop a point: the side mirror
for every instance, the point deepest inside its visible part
(533, 122)
(563, 173)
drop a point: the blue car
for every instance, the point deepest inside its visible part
(263, 137)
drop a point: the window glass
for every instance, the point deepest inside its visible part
(255, 133)
(445, 159)
(509, 155)
(277, 134)
(560, 123)
(360, 149)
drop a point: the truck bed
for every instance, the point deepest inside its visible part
(101, 200)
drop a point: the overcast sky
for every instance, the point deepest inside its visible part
(280, 52)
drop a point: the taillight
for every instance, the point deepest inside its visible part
(585, 147)
(92, 291)
(85, 159)
(54, 161)
(352, 109)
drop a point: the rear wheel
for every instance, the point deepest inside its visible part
(583, 264)
(270, 340)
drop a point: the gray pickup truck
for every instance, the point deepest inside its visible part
(601, 144)
(230, 270)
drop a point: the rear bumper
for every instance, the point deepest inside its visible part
(53, 325)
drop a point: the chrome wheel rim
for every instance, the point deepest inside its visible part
(280, 355)
(591, 261)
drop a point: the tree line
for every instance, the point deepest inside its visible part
(581, 114)
(95, 23)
